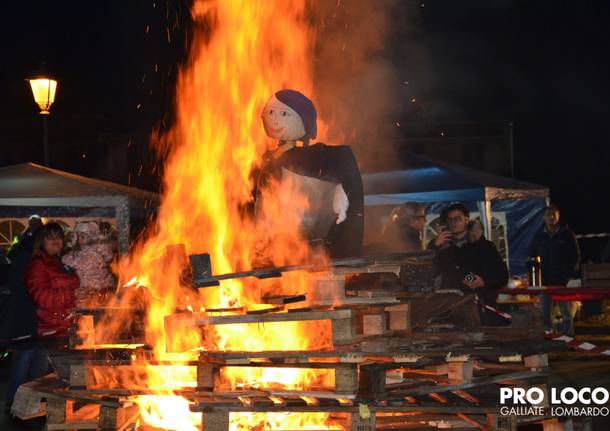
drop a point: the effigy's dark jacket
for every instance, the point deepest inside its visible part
(334, 164)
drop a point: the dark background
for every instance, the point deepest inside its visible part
(540, 64)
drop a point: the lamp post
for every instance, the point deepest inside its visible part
(44, 89)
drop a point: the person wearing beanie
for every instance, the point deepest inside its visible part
(290, 117)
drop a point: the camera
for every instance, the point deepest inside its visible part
(469, 278)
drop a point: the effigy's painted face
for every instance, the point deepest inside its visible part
(281, 122)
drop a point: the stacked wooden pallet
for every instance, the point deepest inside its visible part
(385, 375)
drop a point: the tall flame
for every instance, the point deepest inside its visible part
(242, 53)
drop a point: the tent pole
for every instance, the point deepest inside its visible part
(485, 212)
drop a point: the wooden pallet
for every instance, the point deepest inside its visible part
(66, 410)
(455, 394)
(349, 325)
(354, 377)
(82, 331)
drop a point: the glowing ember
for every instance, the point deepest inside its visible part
(254, 49)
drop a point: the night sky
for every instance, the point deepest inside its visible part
(539, 63)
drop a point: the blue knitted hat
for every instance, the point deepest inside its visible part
(304, 107)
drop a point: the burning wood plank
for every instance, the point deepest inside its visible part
(202, 270)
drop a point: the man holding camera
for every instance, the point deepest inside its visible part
(465, 260)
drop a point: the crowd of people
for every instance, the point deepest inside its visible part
(469, 264)
(45, 282)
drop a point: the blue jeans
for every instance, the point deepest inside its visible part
(567, 325)
(26, 365)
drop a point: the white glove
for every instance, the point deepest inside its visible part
(340, 204)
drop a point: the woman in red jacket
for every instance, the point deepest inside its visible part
(50, 283)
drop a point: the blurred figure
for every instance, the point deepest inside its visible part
(558, 249)
(90, 258)
(404, 230)
(475, 231)
(27, 236)
(108, 235)
(18, 315)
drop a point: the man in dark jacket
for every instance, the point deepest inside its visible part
(560, 258)
(456, 257)
(473, 265)
(481, 260)
(18, 316)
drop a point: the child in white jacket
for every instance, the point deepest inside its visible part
(90, 258)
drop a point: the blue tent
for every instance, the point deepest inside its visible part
(437, 184)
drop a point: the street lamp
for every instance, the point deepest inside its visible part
(44, 89)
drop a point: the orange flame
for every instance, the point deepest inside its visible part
(253, 50)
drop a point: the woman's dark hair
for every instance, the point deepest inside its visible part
(49, 230)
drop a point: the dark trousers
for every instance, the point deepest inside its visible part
(26, 365)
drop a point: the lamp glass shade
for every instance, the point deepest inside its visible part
(44, 93)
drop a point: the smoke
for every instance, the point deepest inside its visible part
(360, 80)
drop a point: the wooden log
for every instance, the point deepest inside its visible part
(216, 421)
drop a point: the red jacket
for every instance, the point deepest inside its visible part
(51, 287)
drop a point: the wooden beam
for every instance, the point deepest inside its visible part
(73, 426)
(400, 317)
(346, 379)
(460, 371)
(118, 417)
(59, 411)
(203, 319)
